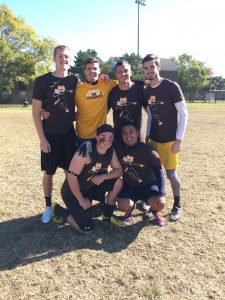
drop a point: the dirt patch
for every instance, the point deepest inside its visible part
(183, 260)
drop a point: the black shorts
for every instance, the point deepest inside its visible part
(63, 147)
(83, 217)
(98, 191)
(136, 193)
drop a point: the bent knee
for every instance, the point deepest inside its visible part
(157, 202)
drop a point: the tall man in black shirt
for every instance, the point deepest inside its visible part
(167, 122)
(54, 92)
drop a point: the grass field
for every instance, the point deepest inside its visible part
(183, 260)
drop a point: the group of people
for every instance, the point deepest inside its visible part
(88, 151)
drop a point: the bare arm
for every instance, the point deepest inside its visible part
(36, 113)
(76, 166)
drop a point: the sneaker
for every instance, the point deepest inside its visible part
(56, 219)
(97, 210)
(158, 217)
(47, 215)
(145, 206)
(114, 221)
(128, 216)
(175, 213)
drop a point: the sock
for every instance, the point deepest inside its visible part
(108, 210)
(177, 201)
(48, 201)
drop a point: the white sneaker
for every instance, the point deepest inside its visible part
(145, 206)
(47, 215)
(175, 213)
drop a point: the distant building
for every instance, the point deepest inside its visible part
(168, 69)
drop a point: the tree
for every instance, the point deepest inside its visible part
(193, 74)
(217, 83)
(79, 62)
(23, 55)
(133, 59)
(108, 66)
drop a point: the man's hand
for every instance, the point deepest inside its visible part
(147, 82)
(176, 146)
(85, 203)
(45, 146)
(45, 114)
(97, 180)
(105, 77)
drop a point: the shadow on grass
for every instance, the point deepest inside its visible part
(27, 240)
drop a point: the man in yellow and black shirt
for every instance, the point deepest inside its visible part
(91, 101)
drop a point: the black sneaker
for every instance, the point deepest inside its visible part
(56, 219)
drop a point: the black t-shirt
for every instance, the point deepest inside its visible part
(126, 105)
(57, 96)
(137, 162)
(98, 166)
(161, 101)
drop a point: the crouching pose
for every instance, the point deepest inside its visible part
(88, 179)
(142, 175)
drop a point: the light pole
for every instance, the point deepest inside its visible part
(139, 2)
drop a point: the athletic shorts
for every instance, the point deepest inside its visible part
(168, 159)
(63, 147)
(136, 193)
(98, 191)
(81, 216)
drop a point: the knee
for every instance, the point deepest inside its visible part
(125, 204)
(161, 203)
(170, 176)
(47, 177)
(157, 202)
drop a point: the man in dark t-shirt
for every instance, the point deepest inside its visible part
(166, 123)
(142, 174)
(126, 99)
(54, 92)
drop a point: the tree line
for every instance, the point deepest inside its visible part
(24, 56)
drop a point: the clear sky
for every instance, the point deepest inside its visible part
(167, 27)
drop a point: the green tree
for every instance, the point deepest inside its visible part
(23, 55)
(217, 83)
(133, 59)
(79, 61)
(193, 75)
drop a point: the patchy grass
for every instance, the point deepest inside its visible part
(183, 260)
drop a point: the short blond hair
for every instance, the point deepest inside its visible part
(63, 47)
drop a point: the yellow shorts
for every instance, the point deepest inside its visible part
(168, 159)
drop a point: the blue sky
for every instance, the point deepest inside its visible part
(167, 27)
